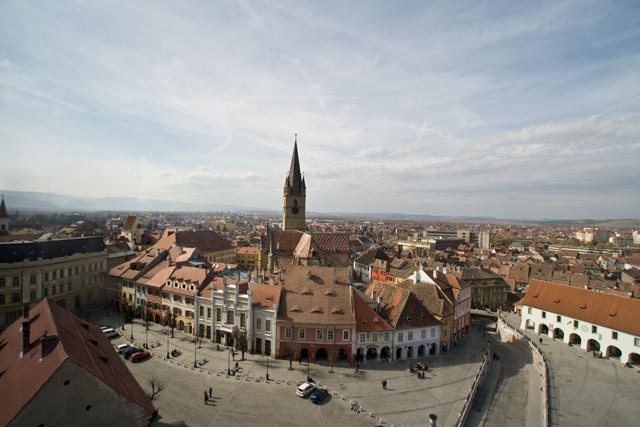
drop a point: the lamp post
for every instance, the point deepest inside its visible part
(308, 366)
(229, 362)
(146, 331)
(167, 343)
(195, 351)
(132, 328)
(267, 366)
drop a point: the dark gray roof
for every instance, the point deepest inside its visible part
(49, 249)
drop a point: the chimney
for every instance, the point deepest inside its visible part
(435, 274)
(26, 329)
(378, 309)
(168, 260)
(237, 277)
(157, 252)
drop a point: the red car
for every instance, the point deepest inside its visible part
(139, 356)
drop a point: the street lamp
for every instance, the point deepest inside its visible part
(229, 362)
(146, 331)
(131, 328)
(267, 366)
(167, 343)
(195, 350)
(308, 366)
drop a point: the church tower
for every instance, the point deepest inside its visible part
(4, 219)
(295, 195)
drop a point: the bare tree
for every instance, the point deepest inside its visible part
(289, 352)
(156, 387)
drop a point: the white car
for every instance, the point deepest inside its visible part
(305, 389)
(122, 347)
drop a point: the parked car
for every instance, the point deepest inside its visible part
(305, 389)
(139, 356)
(318, 395)
(111, 333)
(122, 347)
(103, 327)
(128, 352)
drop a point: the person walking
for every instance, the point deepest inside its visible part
(211, 392)
(206, 397)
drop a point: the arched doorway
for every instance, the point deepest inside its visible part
(181, 325)
(304, 354)
(409, 352)
(543, 329)
(321, 354)
(342, 354)
(593, 345)
(575, 339)
(613, 351)
(634, 358)
(558, 333)
(190, 327)
(359, 354)
(399, 353)
(372, 353)
(385, 353)
(433, 349)
(421, 350)
(529, 324)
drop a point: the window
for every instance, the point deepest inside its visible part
(267, 326)
(16, 281)
(218, 315)
(409, 335)
(400, 336)
(594, 329)
(614, 335)
(529, 310)
(69, 272)
(15, 297)
(636, 342)
(544, 314)
(575, 323)
(77, 270)
(2, 299)
(258, 324)
(54, 275)
(374, 336)
(69, 287)
(330, 335)
(319, 334)
(61, 274)
(433, 332)
(32, 280)
(201, 311)
(362, 337)
(558, 318)
(208, 313)
(287, 333)
(46, 292)
(423, 334)
(243, 320)
(386, 336)
(301, 332)
(46, 277)
(230, 317)
(61, 287)
(32, 296)
(345, 335)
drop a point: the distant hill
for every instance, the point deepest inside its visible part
(49, 202)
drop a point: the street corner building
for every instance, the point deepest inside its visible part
(58, 370)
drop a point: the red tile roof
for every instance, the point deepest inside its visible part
(611, 311)
(367, 320)
(69, 339)
(265, 296)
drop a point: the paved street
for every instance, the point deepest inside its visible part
(513, 382)
(587, 391)
(248, 398)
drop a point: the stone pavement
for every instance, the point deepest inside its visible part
(586, 391)
(248, 398)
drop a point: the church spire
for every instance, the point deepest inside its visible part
(3, 209)
(294, 182)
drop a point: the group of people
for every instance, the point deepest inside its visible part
(208, 396)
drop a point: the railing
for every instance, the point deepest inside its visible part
(541, 366)
(477, 382)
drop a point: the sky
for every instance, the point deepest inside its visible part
(466, 108)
